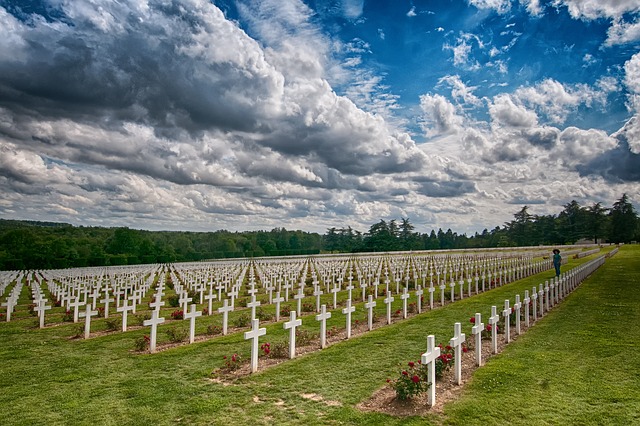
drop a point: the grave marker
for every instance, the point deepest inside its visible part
(291, 326)
(323, 316)
(429, 359)
(456, 343)
(191, 316)
(477, 330)
(254, 336)
(347, 311)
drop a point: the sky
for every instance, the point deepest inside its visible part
(196, 115)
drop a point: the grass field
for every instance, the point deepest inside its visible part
(575, 366)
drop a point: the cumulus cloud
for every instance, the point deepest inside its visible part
(440, 115)
(500, 6)
(594, 9)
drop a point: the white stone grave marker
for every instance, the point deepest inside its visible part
(291, 326)
(254, 335)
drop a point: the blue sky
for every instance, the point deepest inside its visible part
(242, 115)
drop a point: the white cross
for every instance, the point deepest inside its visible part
(40, 309)
(87, 314)
(419, 293)
(317, 293)
(526, 307)
(153, 322)
(534, 299)
(75, 305)
(323, 316)
(157, 303)
(191, 316)
(225, 309)
(209, 298)
(347, 311)
(124, 308)
(432, 289)
(253, 305)
(370, 305)
(541, 300)
(442, 289)
(277, 300)
(291, 326)
(404, 296)
(456, 343)
(388, 301)
(452, 285)
(493, 321)
(254, 335)
(477, 330)
(106, 300)
(506, 314)
(516, 307)
(335, 291)
(429, 360)
(298, 297)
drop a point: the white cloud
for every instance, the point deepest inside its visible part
(632, 74)
(460, 91)
(440, 115)
(412, 12)
(500, 6)
(533, 7)
(622, 32)
(594, 9)
(505, 113)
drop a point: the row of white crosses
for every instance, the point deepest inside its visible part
(548, 296)
(12, 299)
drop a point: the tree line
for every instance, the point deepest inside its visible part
(47, 245)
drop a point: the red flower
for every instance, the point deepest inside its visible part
(404, 373)
(388, 380)
(448, 347)
(415, 379)
(411, 364)
(465, 349)
(472, 320)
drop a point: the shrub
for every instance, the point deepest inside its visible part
(263, 315)
(285, 310)
(214, 329)
(304, 337)
(231, 363)
(177, 314)
(308, 307)
(112, 324)
(444, 361)
(141, 318)
(411, 382)
(174, 301)
(68, 316)
(176, 334)
(242, 321)
(142, 343)
(275, 350)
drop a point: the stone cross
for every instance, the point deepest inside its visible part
(404, 296)
(541, 300)
(317, 292)
(506, 313)
(456, 343)
(432, 289)
(153, 322)
(516, 307)
(75, 305)
(124, 308)
(493, 321)
(419, 293)
(323, 316)
(40, 309)
(209, 298)
(105, 301)
(477, 330)
(225, 309)
(370, 305)
(452, 285)
(335, 291)
(254, 335)
(461, 289)
(388, 301)
(526, 307)
(277, 300)
(429, 360)
(534, 299)
(546, 296)
(442, 289)
(184, 300)
(87, 314)
(298, 297)
(253, 305)
(348, 311)
(291, 326)
(191, 316)
(157, 302)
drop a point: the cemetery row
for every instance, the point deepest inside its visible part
(85, 295)
(529, 309)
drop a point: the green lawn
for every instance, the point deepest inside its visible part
(575, 366)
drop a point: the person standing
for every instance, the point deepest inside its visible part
(557, 260)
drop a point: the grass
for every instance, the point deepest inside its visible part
(575, 366)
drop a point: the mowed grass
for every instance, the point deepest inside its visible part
(575, 366)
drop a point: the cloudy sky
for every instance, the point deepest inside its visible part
(243, 115)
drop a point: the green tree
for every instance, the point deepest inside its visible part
(596, 220)
(624, 221)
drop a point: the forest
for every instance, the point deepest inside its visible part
(49, 245)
